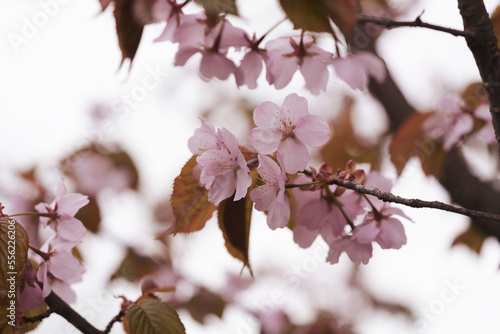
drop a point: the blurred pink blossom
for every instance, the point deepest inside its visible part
(356, 69)
(286, 55)
(357, 252)
(271, 195)
(287, 130)
(450, 123)
(487, 132)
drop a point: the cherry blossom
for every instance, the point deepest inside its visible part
(59, 263)
(380, 226)
(252, 63)
(286, 55)
(357, 252)
(29, 295)
(271, 195)
(197, 34)
(224, 171)
(60, 214)
(287, 130)
(204, 138)
(450, 123)
(356, 69)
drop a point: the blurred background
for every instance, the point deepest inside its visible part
(68, 109)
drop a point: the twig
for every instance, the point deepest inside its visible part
(117, 318)
(388, 23)
(412, 202)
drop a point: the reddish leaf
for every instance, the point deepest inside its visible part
(203, 303)
(190, 201)
(234, 221)
(308, 15)
(495, 20)
(214, 8)
(152, 316)
(473, 238)
(410, 141)
(344, 13)
(134, 266)
(128, 29)
(345, 144)
(90, 215)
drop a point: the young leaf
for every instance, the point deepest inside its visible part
(90, 215)
(203, 303)
(344, 13)
(152, 316)
(234, 221)
(409, 141)
(190, 201)
(310, 15)
(214, 8)
(473, 238)
(129, 31)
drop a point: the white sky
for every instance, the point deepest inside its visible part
(70, 63)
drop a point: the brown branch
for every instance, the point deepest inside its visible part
(389, 23)
(483, 44)
(413, 202)
(117, 318)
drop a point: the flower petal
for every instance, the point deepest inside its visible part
(312, 130)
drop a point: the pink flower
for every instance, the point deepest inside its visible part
(252, 63)
(381, 227)
(204, 138)
(224, 171)
(487, 132)
(271, 195)
(196, 34)
(59, 263)
(288, 130)
(286, 55)
(29, 294)
(357, 252)
(357, 69)
(450, 123)
(61, 213)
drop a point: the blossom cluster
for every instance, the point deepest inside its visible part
(58, 268)
(347, 221)
(214, 38)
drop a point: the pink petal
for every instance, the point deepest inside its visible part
(222, 188)
(204, 138)
(268, 169)
(303, 236)
(71, 203)
(373, 65)
(265, 141)
(243, 181)
(61, 189)
(336, 248)
(64, 266)
(280, 70)
(293, 155)
(359, 253)
(263, 196)
(70, 228)
(463, 126)
(251, 67)
(42, 278)
(216, 65)
(312, 130)
(279, 212)
(366, 232)
(183, 54)
(315, 73)
(392, 234)
(266, 115)
(294, 107)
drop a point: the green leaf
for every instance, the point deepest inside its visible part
(234, 221)
(190, 201)
(216, 7)
(153, 316)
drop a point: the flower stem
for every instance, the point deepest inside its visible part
(339, 205)
(303, 184)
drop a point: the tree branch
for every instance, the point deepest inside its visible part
(412, 202)
(388, 23)
(117, 318)
(483, 44)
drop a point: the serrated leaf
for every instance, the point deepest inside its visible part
(153, 316)
(14, 245)
(234, 221)
(216, 7)
(473, 238)
(203, 303)
(190, 201)
(128, 29)
(409, 141)
(310, 15)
